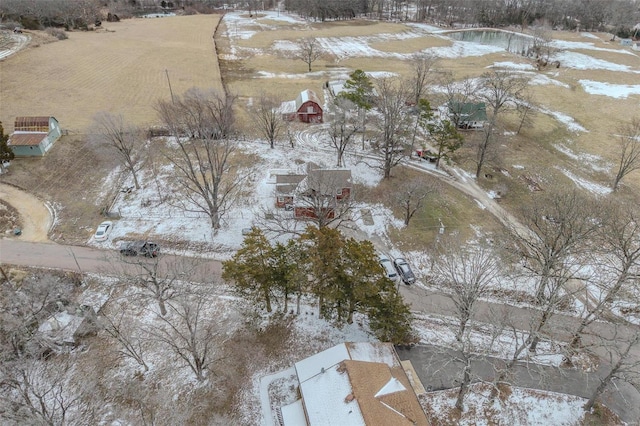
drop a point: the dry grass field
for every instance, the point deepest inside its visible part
(120, 69)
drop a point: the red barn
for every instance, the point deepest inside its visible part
(305, 108)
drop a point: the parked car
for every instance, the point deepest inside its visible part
(140, 248)
(389, 270)
(102, 233)
(404, 270)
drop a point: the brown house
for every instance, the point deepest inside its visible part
(354, 383)
(305, 108)
(322, 192)
(286, 186)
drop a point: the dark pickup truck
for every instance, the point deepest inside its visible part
(139, 248)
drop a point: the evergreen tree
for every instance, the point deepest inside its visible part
(251, 269)
(446, 139)
(390, 318)
(359, 90)
(6, 154)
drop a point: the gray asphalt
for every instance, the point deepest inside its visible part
(439, 369)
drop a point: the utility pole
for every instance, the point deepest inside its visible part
(166, 71)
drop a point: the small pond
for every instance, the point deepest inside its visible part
(509, 41)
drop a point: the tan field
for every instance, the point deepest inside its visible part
(120, 69)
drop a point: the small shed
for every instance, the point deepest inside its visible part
(34, 136)
(305, 108)
(468, 115)
(636, 46)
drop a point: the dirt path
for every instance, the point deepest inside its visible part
(36, 217)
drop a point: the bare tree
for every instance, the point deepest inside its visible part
(343, 126)
(190, 332)
(269, 118)
(422, 65)
(35, 391)
(412, 195)
(130, 343)
(616, 253)
(526, 111)
(555, 237)
(501, 91)
(26, 303)
(622, 366)
(628, 151)
(309, 50)
(203, 161)
(124, 138)
(467, 273)
(158, 278)
(557, 229)
(394, 124)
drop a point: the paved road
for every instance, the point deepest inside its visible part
(107, 262)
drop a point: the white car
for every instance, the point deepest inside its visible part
(102, 233)
(389, 269)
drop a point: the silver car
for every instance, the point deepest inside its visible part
(404, 270)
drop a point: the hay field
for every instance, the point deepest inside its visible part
(120, 69)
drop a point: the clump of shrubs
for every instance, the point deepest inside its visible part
(57, 33)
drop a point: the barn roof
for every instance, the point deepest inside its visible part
(26, 139)
(307, 95)
(27, 123)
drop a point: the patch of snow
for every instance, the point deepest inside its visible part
(593, 161)
(522, 407)
(618, 91)
(565, 119)
(589, 35)
(592, 187)
(513, 66)
(392, 386)
(582, 45)
(581, 61)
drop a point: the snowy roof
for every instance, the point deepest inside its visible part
(336, 87)
(288, 107)
(309, 367)
(324, 398)
(293, 414)
(357, 384)
(307, 95)
(61, 327)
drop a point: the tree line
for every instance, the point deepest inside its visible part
(617, 16)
